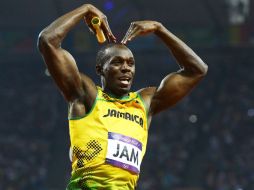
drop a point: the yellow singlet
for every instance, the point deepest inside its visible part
(108, 144)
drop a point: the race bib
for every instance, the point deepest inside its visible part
(124, 152)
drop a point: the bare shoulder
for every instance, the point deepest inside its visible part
(147, 95)
(147, 92)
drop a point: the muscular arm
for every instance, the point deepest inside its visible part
(177, 84)
(60, 63)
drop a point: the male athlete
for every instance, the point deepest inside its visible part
(109, 124)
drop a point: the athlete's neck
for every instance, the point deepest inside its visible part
(115, 95)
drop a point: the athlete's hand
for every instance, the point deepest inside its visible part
(140, 28)
(94, 12)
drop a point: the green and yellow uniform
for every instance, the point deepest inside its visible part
(108, 144)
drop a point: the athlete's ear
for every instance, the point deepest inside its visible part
(99, 69)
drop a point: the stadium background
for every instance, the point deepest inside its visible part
(206, 142)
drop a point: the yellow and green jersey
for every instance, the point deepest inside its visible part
(108, 144)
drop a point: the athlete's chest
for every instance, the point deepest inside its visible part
(115, 114)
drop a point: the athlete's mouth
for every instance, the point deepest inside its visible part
(125, 80)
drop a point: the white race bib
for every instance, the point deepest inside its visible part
(124, 152)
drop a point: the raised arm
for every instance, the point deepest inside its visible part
(177, 84)
(60, 62)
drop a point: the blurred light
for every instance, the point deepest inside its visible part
(109, 5)
(193, 118)
(250, 112)
(238, 11)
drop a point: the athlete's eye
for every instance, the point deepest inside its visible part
(116, 61)
(130, 63)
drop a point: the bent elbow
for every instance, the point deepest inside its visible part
(46, 39)
(201, 68)
(204, 69)
(43, 40)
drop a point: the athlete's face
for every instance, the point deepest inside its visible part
(118, 70)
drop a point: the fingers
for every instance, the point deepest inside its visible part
(89, 24)
(106, 29)
(132, 32)
(125, 38)
(94, 12)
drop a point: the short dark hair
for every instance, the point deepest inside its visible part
(101, 54)
(100, 58)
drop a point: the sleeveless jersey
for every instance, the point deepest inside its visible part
(108, 143)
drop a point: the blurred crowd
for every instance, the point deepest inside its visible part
(206, 142)
(26, 128)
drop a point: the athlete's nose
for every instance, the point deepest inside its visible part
(125, 67)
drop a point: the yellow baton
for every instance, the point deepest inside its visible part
(96, 22)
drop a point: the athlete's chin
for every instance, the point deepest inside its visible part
(123, 89)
